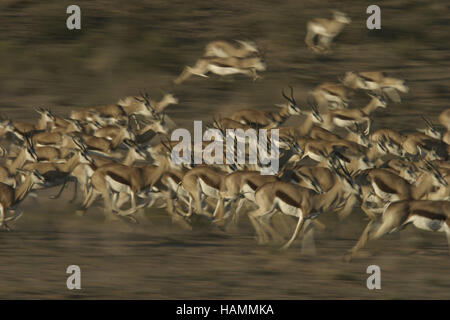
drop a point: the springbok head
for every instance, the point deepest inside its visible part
(46, 114)
(293, 107)
(432, 130)
(438, 179)
(145, 99)
(341, 17)
(378, 99)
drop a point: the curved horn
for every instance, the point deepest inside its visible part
(292, 94)
(285, 96)
(427, 121)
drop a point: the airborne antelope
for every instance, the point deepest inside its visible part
(350, 117)
(331, 96)
(376, 82)
(325, 30)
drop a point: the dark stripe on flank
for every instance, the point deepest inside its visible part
(174, 177)
(252, 185)
(283, 196)
(383, 186)
(344, 117)
(429, 215)
(208, 181)
(117, 178)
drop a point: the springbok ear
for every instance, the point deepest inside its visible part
(280, 105)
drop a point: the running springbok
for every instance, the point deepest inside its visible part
(11, 197)
(294, 200)
(331, 96)
(325, 30)
(350, 117)
(269, 119)
(376, 82)
(424, 214)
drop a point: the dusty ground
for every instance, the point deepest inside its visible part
(126, 47)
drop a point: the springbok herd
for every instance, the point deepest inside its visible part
(109, 153)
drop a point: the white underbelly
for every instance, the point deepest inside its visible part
(343, 123)
(223, 71)
(248, 192)
(117, 186)
(208, 190)
(287, 208)
(428, 224)
(319, 29)
(385, 196)
(314, 156)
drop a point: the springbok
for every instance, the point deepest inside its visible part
(424, 214)
(56, 173)
(11, 197)
(432, 130)
(376, 82)
(387, 186)
(269, 119)
(444, 119)
(331, 96)
(325, 30)
(418, 143)
(292, 199)
(112, 179)
(46, 118)
(200, 182)
(390, 141)
(146, 106)
(223, 67)
(350, 117)
(83, 171)
(9, 171)
(225, 49)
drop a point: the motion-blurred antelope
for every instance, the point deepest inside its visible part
(325, 30)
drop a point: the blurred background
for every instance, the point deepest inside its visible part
(127, 46)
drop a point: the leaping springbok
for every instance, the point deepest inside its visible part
(325, 30)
